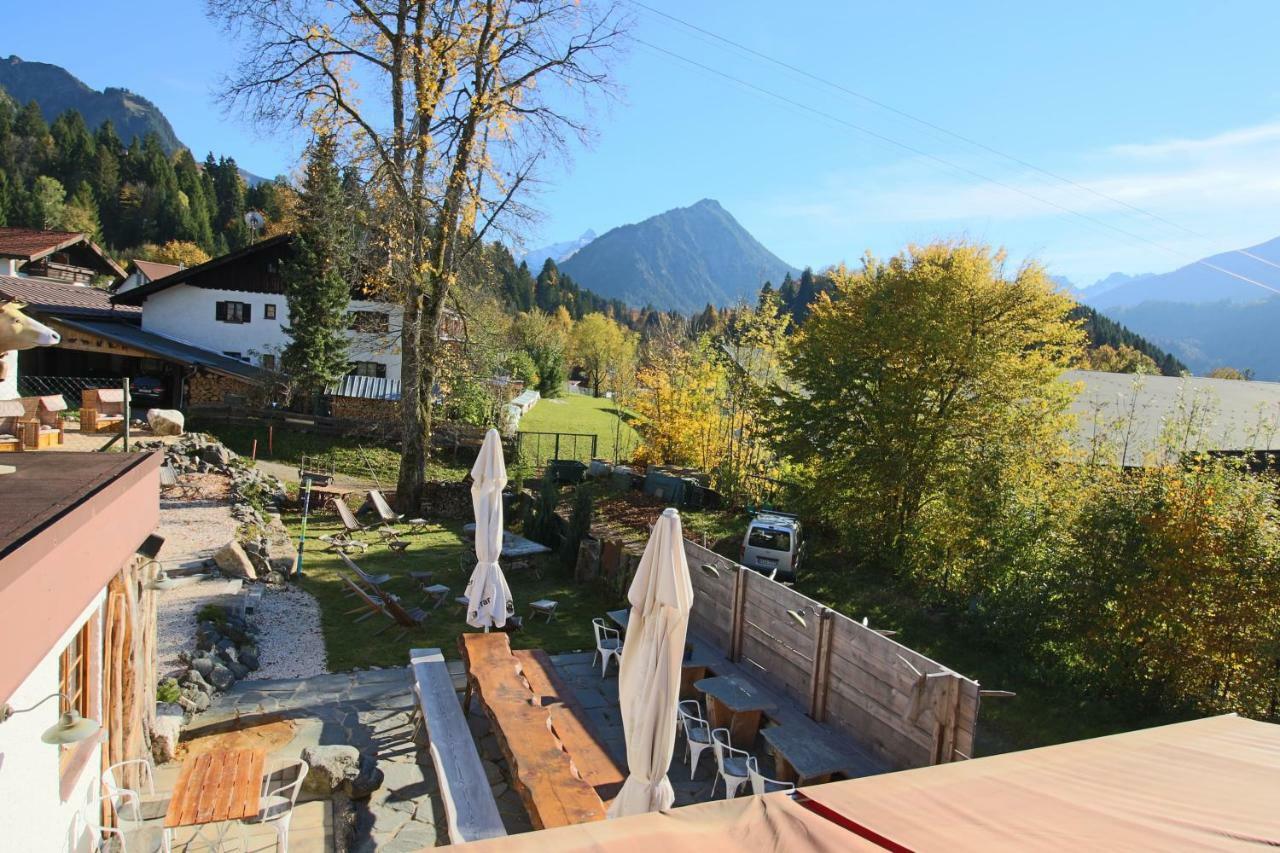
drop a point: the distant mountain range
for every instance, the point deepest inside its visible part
(556, 252)
(1205, 317)
(57, 90)
(682, 259)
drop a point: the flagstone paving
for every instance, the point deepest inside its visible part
(371, 710)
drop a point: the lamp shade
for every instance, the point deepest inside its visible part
(70, 728)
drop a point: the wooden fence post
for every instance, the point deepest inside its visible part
(739, 614)
(820, 675)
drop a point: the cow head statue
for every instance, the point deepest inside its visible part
(18, 331)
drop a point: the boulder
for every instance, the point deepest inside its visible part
(203, 665)
(368, 780)
(239, 670)
(221, 677)
(329, 767)
(198, 681)
(165, 421)
(193, 700)
(166, 731)
(232, 560)
(249, 659)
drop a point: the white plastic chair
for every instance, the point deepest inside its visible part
(608, 644)
(697, 736)
(134, 807)
(761, 784)
(731, 764)
(280, 787)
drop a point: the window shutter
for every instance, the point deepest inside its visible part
(220, 311)
(245, 307)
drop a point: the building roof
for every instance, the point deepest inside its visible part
(154, 270)
(169, 349)
(191, 275)
(1132, 412)
(64, 299)
(30, 244)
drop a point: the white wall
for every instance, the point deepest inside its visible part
(33, 816)
(9, 385)
(187, 314)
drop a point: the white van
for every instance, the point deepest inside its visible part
(773, 545)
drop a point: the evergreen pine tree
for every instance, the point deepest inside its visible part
(316, 280)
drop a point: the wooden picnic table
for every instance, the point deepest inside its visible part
(217, 786)
(514, 546)
(734, 703)
(802, 757)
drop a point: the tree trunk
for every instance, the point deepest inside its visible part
(413, 449)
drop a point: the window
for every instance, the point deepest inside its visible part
(232, 312)
(369, 321)
(269, 311)
(769, 540)
(368, 368)
(268, 361)
(78, 683)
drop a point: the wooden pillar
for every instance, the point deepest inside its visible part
(739, 614)
(820, 675)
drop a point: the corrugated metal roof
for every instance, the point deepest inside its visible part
(56, 297)
(169, 349)
(1133, 412)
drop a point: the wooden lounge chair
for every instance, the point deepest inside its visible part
(390, 517)
(14, 428)
(369, 603)
(406, 618)
(375, 582)
(345, 540)
(101, 409)
(46, 415)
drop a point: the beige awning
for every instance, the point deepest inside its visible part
(53, 402)
(1211, 783)
(773, 822)
(11, 409)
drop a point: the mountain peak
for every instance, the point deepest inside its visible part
(681, 259)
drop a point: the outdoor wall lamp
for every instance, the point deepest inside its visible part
(711, 570)
(70, 728)
(797, 616)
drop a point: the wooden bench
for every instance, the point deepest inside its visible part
(588, 754)
(469, 805)
(553, 791)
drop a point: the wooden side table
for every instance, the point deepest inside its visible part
(218, 786)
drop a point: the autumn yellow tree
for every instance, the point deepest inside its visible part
(445, 110)
(178, 252)
(602, 348)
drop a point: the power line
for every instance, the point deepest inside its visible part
(948, 164)
(954, 135)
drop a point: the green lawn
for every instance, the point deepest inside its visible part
(350, 456)
(577, 413)
(350, 645)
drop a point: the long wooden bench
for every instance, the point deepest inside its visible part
(588, 754)
(469, 805)
(807, 741)
(553, 791)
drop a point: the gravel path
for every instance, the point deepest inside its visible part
(290, 644)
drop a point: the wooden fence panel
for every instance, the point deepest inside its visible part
(713, 595)
(776, 643)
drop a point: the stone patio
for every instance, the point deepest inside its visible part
(370, 710)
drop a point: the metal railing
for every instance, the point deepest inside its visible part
(535, 449)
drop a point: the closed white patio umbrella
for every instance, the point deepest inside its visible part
(488, 597)
(649, 678)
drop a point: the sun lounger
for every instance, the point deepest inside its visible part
(390, 516)
(374, 581)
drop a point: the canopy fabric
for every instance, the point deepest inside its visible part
(488, 597)
(111, 395)
(661, 596)
(1211, 783)
(11, 409)
(770, 823)
(53, 402)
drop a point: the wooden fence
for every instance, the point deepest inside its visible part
(910, 711)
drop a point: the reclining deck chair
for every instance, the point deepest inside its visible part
(391, 517)
(344, 540)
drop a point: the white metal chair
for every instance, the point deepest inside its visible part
(608, 644)
(130, 836)
(280, 787)
(731, 764)
(697, 736)
(135, 807)
(761, 784)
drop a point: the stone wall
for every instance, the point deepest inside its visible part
(213, 388)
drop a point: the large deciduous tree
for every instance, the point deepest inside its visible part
(447, 107)
(317, 281)
(923, 380)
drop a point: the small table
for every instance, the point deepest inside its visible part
(695, 666)
(736, 704)
(438, 591)
(215, 787)
(620, 617)
(544, 606)
(801, 758)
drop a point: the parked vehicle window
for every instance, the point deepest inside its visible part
(770, 540)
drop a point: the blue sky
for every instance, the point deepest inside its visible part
(1173, 107)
